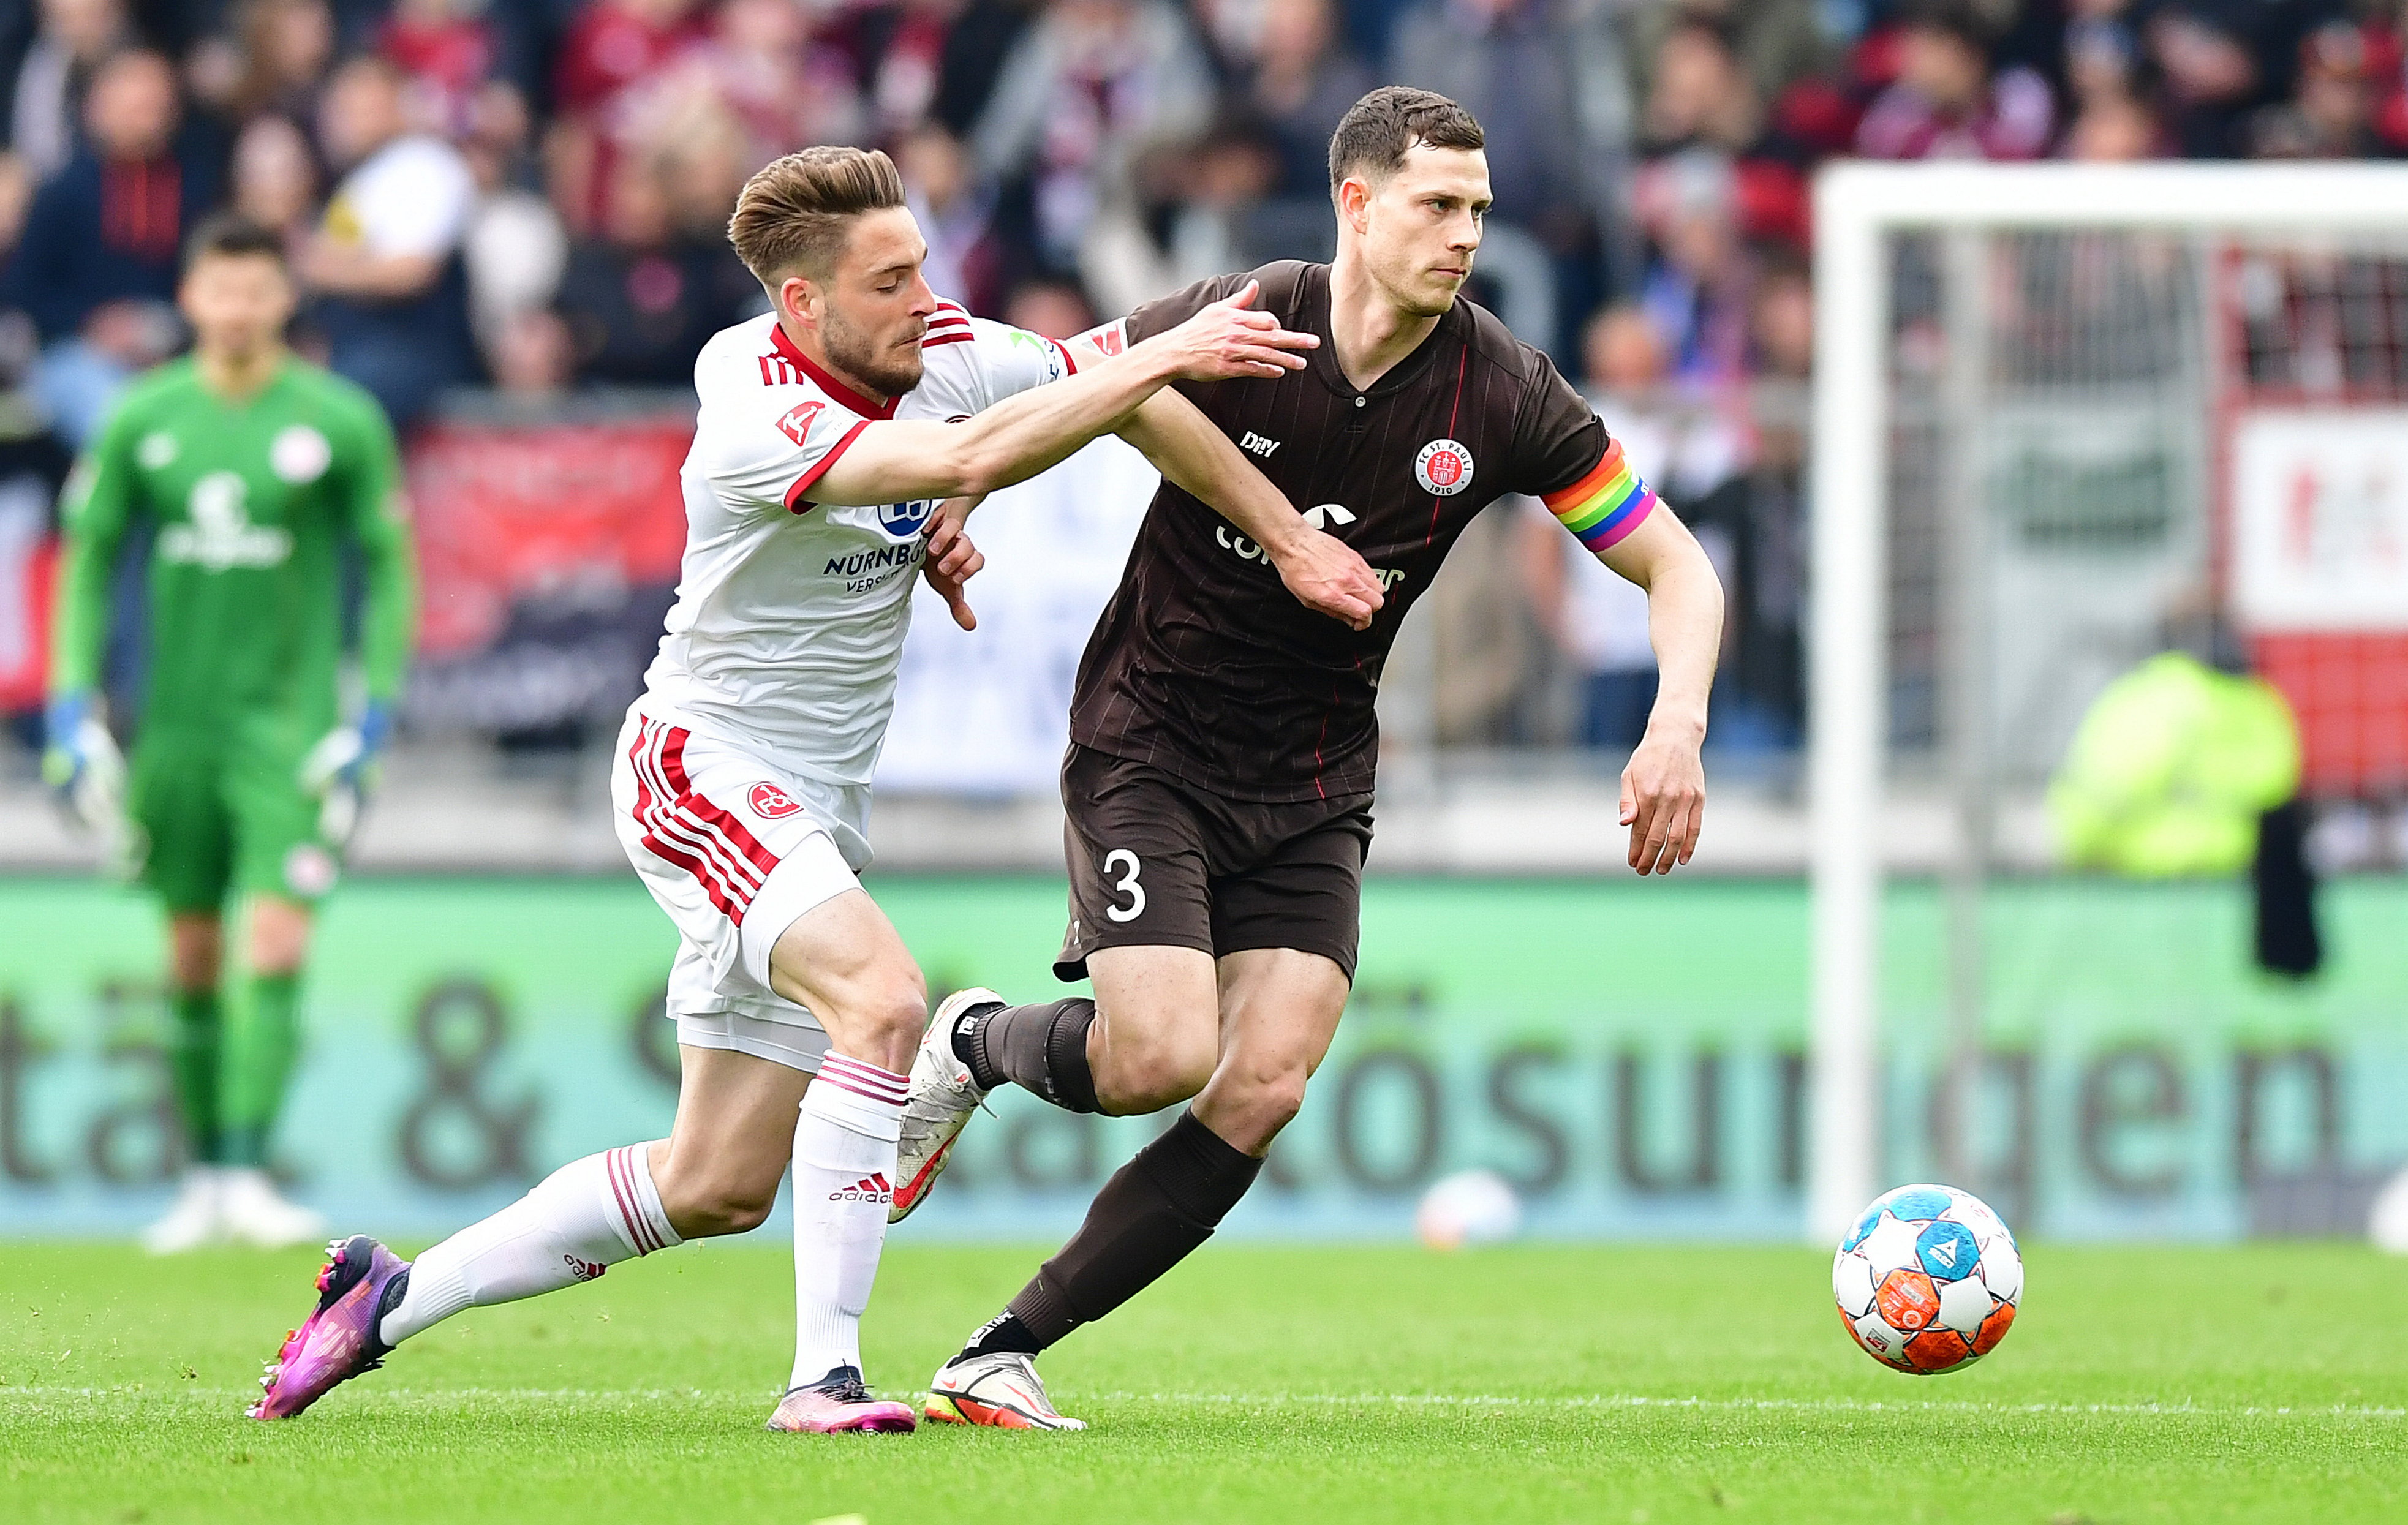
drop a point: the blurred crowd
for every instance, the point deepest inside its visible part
(529, 194)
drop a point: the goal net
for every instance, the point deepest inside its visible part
(2067, 416)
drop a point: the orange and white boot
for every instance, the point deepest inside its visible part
(997, 1388)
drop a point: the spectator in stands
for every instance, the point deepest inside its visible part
(73, 36)
(897, 53)
(385, 263)
(1088, 89)
(956, 215)
(2103, 56)
(1596, 621)
(1697, 288)
(1195, 217)
(2330, 114)
(613, 43)
(96, 269)
(640, 302)
(1784, 325)
(1778, 42)
(1056, 308)
(446, 48)
(515, 248)
(1544, 79)
(276, 178)
(2224, 58)
(1703, 99)
(276, 59)
(753, 68)
(1296, 82)
(1946, 104)
(2114, 129)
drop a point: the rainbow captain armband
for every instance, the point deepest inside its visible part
(1606, 504)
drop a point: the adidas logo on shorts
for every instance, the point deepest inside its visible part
(872, 1188)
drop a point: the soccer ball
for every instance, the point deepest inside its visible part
(1469, 1208)
(1928, 1279)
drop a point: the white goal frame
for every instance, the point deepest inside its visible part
(1857, 207)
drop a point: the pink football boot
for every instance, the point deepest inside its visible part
(839, 1404)
(356, 1289)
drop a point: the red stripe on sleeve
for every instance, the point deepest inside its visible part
(819, 469)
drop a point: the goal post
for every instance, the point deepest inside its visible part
(1862, 213)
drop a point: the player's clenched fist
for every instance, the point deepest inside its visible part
(1228, 341)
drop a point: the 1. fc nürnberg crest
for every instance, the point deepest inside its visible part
(1443, 467)
(770, 801)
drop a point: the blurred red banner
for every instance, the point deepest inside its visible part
(505, 512)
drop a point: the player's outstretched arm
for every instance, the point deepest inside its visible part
(1664, 788)
(895, 459)
(1327, 575)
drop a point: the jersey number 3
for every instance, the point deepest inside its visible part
(1126, 885)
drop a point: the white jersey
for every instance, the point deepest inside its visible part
(790, 616)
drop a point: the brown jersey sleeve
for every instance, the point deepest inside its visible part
(1557, 438)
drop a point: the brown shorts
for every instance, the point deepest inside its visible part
(1158, 862)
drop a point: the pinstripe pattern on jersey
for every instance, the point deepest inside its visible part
(1203, 664)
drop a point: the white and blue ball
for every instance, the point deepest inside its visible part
(1927, 1279)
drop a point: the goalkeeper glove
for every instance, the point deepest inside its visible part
(87, 775)
(341, 771)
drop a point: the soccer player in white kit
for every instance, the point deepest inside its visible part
(840, 441)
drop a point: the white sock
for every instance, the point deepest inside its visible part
(586, 1215)
(844, 1169)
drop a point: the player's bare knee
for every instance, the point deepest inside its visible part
(195, 953)
(1254, 1100)
(1149, 1073)
(1274, 1098)
(703, 1204)
(894, 1011)
(279, 935)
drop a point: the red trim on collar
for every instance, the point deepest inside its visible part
(825, 382)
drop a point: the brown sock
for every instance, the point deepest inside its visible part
(1041, 1048)
(1164, 1202)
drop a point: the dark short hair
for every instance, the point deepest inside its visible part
(794, 216)
(1967, 21)
(233, 236)
(1380, 128)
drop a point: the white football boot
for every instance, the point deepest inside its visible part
(194, 1219)
(256, 1214)
(943, 1096)
(1000, 1388)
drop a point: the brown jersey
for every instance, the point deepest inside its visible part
(1204, 664)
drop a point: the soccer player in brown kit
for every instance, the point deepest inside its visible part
(1223, 744)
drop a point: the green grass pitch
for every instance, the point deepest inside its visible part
(1316, 1384)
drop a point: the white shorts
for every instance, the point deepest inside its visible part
(734, 849)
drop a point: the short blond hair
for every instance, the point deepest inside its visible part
(792, 218)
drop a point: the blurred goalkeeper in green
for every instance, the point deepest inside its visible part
(250, 468)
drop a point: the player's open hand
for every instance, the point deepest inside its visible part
(951, 560)
(1230, 341)
(1664, 800)
(1329, 577)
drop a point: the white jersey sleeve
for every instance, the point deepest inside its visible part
(974, 362)
(766, 449)
(790, 616)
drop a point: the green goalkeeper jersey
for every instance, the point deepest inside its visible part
(250, 502)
